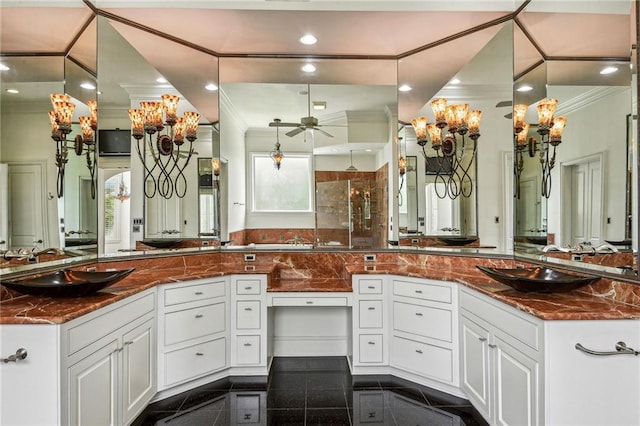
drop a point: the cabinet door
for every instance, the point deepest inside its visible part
(516, 384)
(138, 369)
(475, 365)
(93, 387)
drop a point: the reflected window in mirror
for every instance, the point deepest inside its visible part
(209, 197)
(408, 197)
(284, 189)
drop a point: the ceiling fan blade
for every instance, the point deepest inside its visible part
(502, 104)
(323, 132)
(294, 132)
(274, 124)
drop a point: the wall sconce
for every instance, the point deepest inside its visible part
(277, 155)
(550, 129)
(60, 119)
(166, 172)
(453, 157)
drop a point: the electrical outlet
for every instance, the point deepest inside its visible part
(369, 257)
(249, 257)
(205, 243)
(496, 219)
(576, 257)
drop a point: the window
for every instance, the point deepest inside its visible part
(287, 189)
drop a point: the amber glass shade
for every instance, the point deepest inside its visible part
(152, 113)
(178, 130)
(93, 110)
(87, 131)
(555, 134)
(59, 97)
(137, 123)
(170, 103)
(402, 165)
(64, 115)
(519, 113)
(521, 137)
(420, 127)
(191, 125)
(215, 164)
(546, 109)
(439, 107)
(435, 133)
(473, 121)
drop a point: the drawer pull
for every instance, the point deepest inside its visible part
(482, 339)
(372, 415)
(248, 309)
(199, 293)
(248, 288)
(247, 417)
(419, 291)
(371, 287)
(247, 344)
(372, 343)
(199, 315)
(418, 314)
(419, 351)
(128, 343)
(309, 302)
(492, 346)
(371, 308)
(199, 354)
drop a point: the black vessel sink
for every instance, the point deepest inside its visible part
(538, 279)
(456, 240)
(75, 242)
(162, 242)
(540, 240)
(66, 283)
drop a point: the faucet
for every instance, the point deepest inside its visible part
(30, 255)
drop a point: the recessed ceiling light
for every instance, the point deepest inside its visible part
(367, 150)
(211, 87)
(404, 88)
(524, 88)
(14, 91)
(308, 39)
(319, 105)
(99, 92)
(454, 81)
(608, 70)
(308, 68)
(88, 86)
(161, 80)
(3, 67)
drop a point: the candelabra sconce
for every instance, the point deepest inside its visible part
(60, 118)
(550, 129)
(454, 124)
(166, 173)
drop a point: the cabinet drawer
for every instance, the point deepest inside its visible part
(370, 286)
(370, 346)
(423, 320)
(426, 360)
(431, 291)
(524, 330)
(248, 314)
(194, 361)
(248, 350)
(188, 324)
(309, 301)
(370, 313)
(88, 332)
(248, 286)
(370, 406)
(192, 293)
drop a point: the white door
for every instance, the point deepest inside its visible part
(586, 203)
(442, 213)
(164, 217)
(528, 206)
(4, 207)
(93, 388)
(138, 369)
(27, 209)
(475, 374)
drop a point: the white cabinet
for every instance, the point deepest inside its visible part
(249, 324)
(193, 330)
(109, 374)
(424, 331)
(370, 320)
(501, 361)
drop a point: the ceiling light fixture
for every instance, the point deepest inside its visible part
(351, 168)
(88, 86)
(277, 155)
(309, 68)
(166, 171)
(404, 88)
(60, 119)
(524, 88)
(13, 91)
(211, 87)
(454, 81)
(319, 105)
(3, 67)
(608, 70)
(161, 80)
(453, 158)
(550, 129)
(308, 39)
(123, 193)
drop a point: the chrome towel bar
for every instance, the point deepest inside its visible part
(19, 355)
(621, 349)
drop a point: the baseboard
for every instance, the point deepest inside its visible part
(310, 346)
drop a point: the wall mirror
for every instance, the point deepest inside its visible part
(585, 216)
(135, 71)
(332, 127)
(479, 78)
(55, 53)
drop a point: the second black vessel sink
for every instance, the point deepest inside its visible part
(456, 240)
(538, 279)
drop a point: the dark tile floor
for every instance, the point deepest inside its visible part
(311, 391)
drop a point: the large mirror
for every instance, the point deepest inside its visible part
(46, 202)
(578, 209)
(447, 208)
(161, 192)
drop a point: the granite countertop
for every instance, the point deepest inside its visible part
(589, 303)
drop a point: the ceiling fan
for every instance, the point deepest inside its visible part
(306, 123)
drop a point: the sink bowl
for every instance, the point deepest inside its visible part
(456, 240)
(75, 242)
(162, 242)
(66, 283)
(538, 279)
(534, 239)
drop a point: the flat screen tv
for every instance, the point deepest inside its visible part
(115, 142)
(438, 165)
